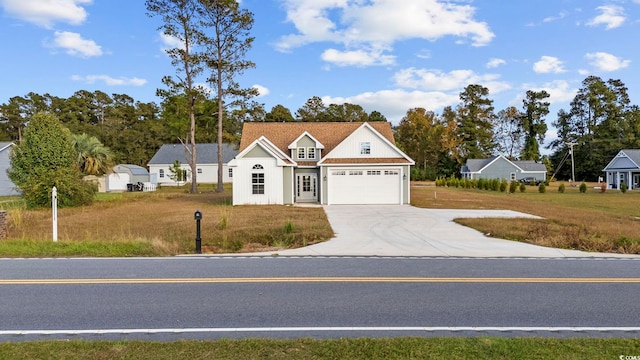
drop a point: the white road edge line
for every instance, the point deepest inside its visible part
(321, 328)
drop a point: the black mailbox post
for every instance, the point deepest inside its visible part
(198, 217)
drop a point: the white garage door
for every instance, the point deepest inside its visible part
(364, 186)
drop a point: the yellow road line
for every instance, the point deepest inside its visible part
(313, 280)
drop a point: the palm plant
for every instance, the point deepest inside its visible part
(93, 157)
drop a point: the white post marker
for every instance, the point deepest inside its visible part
(54, 212)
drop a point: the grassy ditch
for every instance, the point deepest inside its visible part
(593, 221)
(159, 224)
(396, 348)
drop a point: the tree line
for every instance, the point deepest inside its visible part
(599, 122)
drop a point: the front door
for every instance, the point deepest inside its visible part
(306, 188)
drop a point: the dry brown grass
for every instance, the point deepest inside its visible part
(166, 221)
(594, 221)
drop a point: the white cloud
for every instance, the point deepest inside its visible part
(75, 45)
(455, 80)
(560, 16)
(110, 81)
(606, 62)
(262, 91)
(357, 58)
(560, 91)
(611, 15)
(548, 64)
(495, 62)
(47, 12)
(170, 42)
(395, 103)
(379, 24)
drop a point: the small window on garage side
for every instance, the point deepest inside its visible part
(365, 148)
(199, 171)
(257, 180)
(161, 173)
(230, 172)
(513, 176)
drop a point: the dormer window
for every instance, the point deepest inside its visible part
(311, 153)
(365, 148)
(301, 153)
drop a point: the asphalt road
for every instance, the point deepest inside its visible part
(322, 297)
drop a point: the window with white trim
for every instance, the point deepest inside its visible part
(513, 176)
(311, 153)
(365, 148)
(257, 180)
(301, 153)
(161, 173)
(230, 172)
(199, 171)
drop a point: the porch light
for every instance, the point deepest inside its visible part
(324, 178)
(404, 177)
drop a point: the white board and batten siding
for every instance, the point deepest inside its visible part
(350, 147)
(243, 186)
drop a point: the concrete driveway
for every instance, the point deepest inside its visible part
(391, 230)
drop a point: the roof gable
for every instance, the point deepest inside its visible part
(380, 146)
(628, 159)
(294, 144)
(268, 147)
(5, 145)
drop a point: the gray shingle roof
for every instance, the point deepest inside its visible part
(205, 153)
(529, 165)
(633, 154)
(475, 165)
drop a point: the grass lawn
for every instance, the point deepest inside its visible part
(396, 348)
(162, 223)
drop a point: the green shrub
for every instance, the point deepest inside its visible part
(523, 187)
(561, 188)
(503, 185)
(623, 188)
(583, 188)
(46, 158)
(542, 188)
(513, 187)
(495, 184)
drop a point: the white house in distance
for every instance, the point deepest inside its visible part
(206, 163)
(7, 187)
(320, 162)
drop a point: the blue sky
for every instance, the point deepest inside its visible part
(385, 55)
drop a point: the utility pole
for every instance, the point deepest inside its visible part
(573, 166)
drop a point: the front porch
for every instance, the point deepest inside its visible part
(615, 179)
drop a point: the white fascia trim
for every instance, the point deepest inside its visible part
(306, 133)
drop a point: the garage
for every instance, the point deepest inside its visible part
(364, 186)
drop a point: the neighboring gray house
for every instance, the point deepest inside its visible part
(125, 174)
(207, 163)
(499, 167)
(7, 187)
(624, 168)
